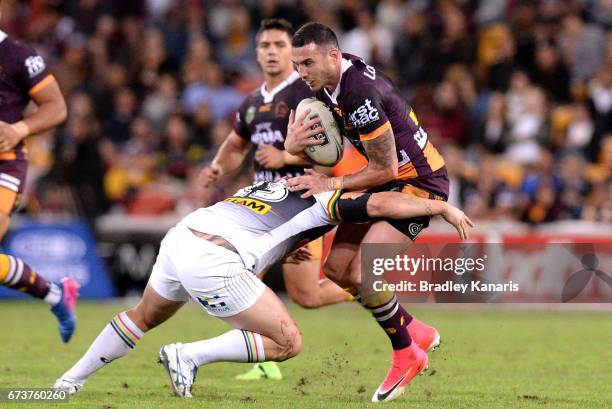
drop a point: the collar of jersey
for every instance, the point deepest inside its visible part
(269, 96)
(346, 64)
(3, 36)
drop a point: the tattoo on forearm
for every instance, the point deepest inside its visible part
(381, 150)
(428, 209)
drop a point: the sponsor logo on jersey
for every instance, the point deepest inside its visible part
(250, 114)
(251, 204)
(265, 134)
(415, 228)
(268, 191)
(267, 175)
(364, 114)
(213, 303)
(405, 158)
(35, 65)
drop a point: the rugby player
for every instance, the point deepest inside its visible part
(213, 256)
(24, 77)
(375, 118)
(261, 121)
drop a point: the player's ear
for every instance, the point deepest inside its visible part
(334, 53)
(334, 56)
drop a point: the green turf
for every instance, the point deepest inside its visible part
(488, 359)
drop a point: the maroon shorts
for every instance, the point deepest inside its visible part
(413, 226)
(12, 183)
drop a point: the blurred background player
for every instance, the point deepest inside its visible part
(261, 121)
(24, 77)
(376, 119)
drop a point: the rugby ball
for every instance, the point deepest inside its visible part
(330, 151)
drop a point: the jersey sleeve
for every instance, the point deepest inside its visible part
(33, 73)
(366, 113)
(241, 126)
(327, 201)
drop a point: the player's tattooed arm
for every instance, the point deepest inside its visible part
(358, 207)
(428, 210)
(382, 164)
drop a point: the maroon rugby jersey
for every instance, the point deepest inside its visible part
(22, 73)
(366, 104)
(263, 117)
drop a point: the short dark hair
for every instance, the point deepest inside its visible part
(316, 33)
(279, 24)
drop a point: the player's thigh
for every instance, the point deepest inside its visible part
(344, 249)
(5, 221)
(164, 293)
(269, 317)
(379, 232)
(12, 184)
(164, 278)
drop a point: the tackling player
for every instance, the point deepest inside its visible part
(213, 255)
(24, 77)
(261, 121)
(376, 119)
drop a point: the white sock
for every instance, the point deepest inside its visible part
(233, 346)
(116, 340)
(54, 295)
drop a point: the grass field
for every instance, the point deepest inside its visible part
(488, 359)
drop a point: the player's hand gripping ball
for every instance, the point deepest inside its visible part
(330, 151)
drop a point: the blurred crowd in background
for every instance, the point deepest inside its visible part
(516, 94)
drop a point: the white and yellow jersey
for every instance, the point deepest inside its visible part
(265, 221)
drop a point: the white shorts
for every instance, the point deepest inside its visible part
(214, 276)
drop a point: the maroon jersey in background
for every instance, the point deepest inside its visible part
(262, 119)
(365, 104)
(22, 73)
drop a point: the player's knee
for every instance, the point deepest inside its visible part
(290, 344)
(305, 299)
(294, 345)
(314, 302)
(334, 272)
(345, 278)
